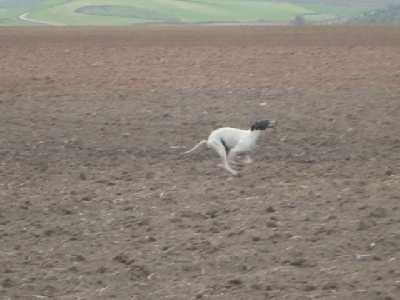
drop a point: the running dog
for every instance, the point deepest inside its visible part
(230, 142)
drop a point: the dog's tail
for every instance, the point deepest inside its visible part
(195, 147)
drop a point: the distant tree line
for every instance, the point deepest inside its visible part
(342, 2)
(379, 16)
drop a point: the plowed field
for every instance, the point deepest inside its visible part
(98, 203)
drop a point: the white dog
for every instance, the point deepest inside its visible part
(230, 142)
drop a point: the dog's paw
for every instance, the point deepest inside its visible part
(236, 163)
(247, 162)
(236, 174)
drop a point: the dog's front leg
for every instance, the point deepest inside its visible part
(232, 156)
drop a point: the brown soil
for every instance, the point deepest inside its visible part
(97, 202)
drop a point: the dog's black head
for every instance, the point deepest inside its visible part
(262, 125)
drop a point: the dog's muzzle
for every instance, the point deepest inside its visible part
(272, 124)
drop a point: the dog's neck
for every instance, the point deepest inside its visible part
(254, 133)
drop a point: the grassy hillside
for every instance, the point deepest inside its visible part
(127, 12)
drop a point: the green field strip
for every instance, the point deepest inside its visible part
(64, 12)
(128, 12)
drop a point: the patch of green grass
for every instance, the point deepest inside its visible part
(208, 185)
(88, 281)
(179, 258)
(303, 193)
(247, 268)
(359, 270)
(155, 257)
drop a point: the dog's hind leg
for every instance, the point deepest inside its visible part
(220, 149)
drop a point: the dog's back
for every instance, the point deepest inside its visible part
(227, 135)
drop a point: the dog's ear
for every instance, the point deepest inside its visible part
(254, 126)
